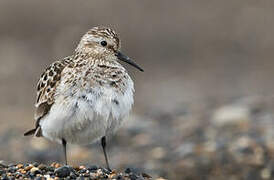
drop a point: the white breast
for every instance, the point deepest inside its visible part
(83, 116)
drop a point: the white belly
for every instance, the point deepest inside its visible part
(86, 116)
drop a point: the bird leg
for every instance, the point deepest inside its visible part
(64, 143)
(103, 143)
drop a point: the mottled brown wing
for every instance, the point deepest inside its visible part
(46, 88)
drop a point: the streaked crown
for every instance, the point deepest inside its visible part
(103, 44)
(99, 40)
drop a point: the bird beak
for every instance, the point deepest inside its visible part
(126, 59)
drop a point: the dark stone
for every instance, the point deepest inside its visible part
(5, 177)
(38, 178)
(72, 175)
(86, 174)
(92, 168)
(2, 172)
(42, 166)
(37, 172)
(3, 165)
(18, 174)
(50, 168)
(146, 175)
(119, 177)
(107, 171)
(82, 171)
(50, 173)
(128, 170)
(133, 177)
(81, 178)
(12, 169)
(62, 172)
(30, 175)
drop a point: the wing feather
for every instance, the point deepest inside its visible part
(46, 88)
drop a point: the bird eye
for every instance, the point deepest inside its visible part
(104, 43)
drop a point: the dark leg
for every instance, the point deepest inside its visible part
(103, 142)
(64, 143)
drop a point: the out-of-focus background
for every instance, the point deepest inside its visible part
(203, 107)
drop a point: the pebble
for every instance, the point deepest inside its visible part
(12, 169)
(128, 170)
(218, 142)
(62, 171)
(38, 171)
(27, 168)
(42, 166)
(133, 177)
(92, 168)
(19, 165)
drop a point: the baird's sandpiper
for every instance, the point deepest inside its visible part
(85, 97)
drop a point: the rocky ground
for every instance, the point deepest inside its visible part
(55, 171)
(216, 141)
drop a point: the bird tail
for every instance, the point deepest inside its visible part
(36, 132)
(30, 132)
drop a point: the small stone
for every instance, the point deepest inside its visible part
(92, 168)
(42, 166)
(62, 171)
(35, 164)
(3, 164)
(112, 176)
(2, 172)
(146, 175)
(35, 171)
(5, 177)
(17, 174)
(82, 170)
(28, 168)
(80, 178)
(119, 177)
(19, 166)
(72, 175)
(77, 168)
(128, 170)
(22, 171)
(50, 168)
(106, 171)
(57, 165)
(38, 178)
(12, 169)
(93, 175)
(86, 174)
(133, 177)
(82, 167)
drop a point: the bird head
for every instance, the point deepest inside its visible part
(103, 42)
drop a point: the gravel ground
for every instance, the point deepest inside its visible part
(208, 141)
(56, 171)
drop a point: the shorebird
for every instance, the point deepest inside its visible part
(85, 97)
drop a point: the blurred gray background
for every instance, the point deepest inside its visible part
(201, 59)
